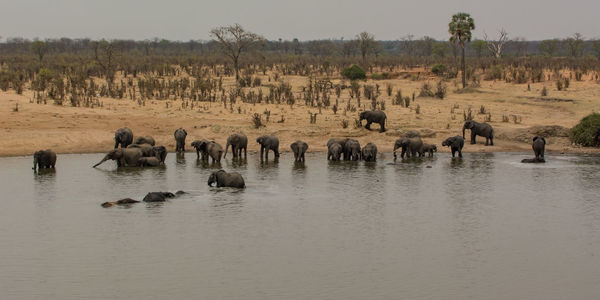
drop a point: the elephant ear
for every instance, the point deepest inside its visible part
(543, 139)
(535, 138)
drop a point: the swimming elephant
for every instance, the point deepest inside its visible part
(160, 152)
(455, 143)
(268, 142)
(44, 159)
(428, 148)
(158, 196)
(352, 150)
(120, 202)
(224, 179)
(539, 147)
(373, 116)
(127, 157)
(369, 152)
(411, 147)
(479, 129)
(342, 142)
(144, 140)
(123, 137)
(334, 151)
(208, 148)
(148, 162)
(299, 148)
(238, 141)
(180, 135)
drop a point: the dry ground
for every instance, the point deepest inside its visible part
(76, 129)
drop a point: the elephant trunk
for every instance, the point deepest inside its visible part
(227, 146)
(103, 160)
(464, 127)
(35, 162)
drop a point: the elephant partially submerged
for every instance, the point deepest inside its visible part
(299, 148)
(150, 197)
(455, 143)
(127, 157)
(369, 152)
(373, 116)
(44, 159)
(352, 150)
(224, 179)
(208, 148)
(238, 142)
(334, 151)
(342, 142)
(411, 147)
(123, 137)
(479, 129)
(268, 142)
(148, 162)
(145, 140)
(180, 135)
(147, 149)
(160, 152)
(428, 148)
(539, 147)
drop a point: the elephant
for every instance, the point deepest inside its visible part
(238, 141)
(373, 116)
(123, 137)
(224, 179)
(208, 148)
(120, 202)
(158, 196)
(146, 149)
(539, 146)
(334, 151)
(180, 135)
(44, 159)
(342, 142)
(455, 143)
(369, 152)
(160, 152)
(428, 148)
(148, 162)
(352, 150)
(200, 146)
(410, 146)
(144, 140)
(127, 157)
(479, 129)
(299, 148)
(268, 142)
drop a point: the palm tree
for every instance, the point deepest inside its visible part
(460, 32)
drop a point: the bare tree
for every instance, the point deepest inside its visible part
(497, 46)
(575, 44)
(105, 57)
(366, 44)
(234, 40)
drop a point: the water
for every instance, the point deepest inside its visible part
(486, 227)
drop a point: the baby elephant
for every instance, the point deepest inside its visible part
(455, 143)
(334, 151)
(428, 148)
(369, 152)
(299, 148)
(44, 159)
(224, 179)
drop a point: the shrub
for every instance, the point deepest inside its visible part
(354, 72)
(583, 133)
(376, 76)
(440, 92)
(426, 90)
(544, 91)
(257, 120)
(439, 69)
(344, 124)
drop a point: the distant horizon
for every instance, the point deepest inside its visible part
(180, 20)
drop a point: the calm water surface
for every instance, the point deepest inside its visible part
(485, 227)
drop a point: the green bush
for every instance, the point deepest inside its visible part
(439, 69)
(583, 133)
(354, 72)
(377, 76)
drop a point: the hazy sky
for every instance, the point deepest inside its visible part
(302, 19)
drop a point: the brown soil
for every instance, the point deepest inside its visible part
(77, 130)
